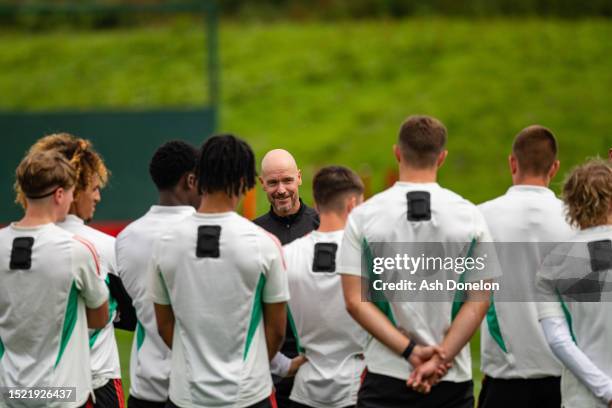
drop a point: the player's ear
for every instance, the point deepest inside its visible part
(190, 181)
(58, 195)
(441, 158)
(261, 180)
(513, 164)
(554, 168)
(397, 153)
(351, 203)
(299, 177)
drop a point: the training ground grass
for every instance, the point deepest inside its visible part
(336, 93)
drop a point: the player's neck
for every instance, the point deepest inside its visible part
(413, 175)
(530, 181)
(169, 199)
(330, 221)
(217, 202)
(36, 216)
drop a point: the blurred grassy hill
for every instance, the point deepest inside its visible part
(337, 93)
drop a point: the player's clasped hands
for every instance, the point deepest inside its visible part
(430, 366)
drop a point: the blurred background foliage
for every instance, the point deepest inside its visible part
(266, 10)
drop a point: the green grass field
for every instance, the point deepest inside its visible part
(336, 93)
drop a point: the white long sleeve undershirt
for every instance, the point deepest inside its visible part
(563, 347)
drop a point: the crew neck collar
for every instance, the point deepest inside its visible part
(530, 188)
(289, 218)
(73, 219)
(39, 227)
(214, 215)
(170, 209)
(413, 184)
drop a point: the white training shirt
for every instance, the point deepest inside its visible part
(150, 357)
(525, 216)
(104, 353)
(332, 341)
(383, 218)
(219, 353)
(43, 322)
(590, 323)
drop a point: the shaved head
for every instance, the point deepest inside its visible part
(280, 179)
(278, 159)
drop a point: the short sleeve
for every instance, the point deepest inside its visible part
(482, 250)
(550, 309)
(156, 288)
(549, 304)
(87, 273)
(350, 249)
(276, 288)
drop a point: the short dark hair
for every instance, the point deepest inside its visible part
(535, 149)
(421, 139)
(170, 161)
(226, 164)
(332, 183)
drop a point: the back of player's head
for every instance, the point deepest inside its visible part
(170, 162)
(85, 160)
(226, 164)
(535, 149)
(332, 184)
(40, 173)
(421, 140)
(82, 157)
(587, 193)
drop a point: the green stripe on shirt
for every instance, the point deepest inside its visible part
(459, 295)
(70, 319)
(299, 347)
(112, 308)
(383, 304)
(493, 325)
(256, 314)
(140, 335)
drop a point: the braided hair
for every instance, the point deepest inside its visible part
(226, 164)
(85, 161)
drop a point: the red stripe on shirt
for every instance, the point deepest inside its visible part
(92, 249)
(278, 245)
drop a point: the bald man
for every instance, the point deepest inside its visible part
(288, 218)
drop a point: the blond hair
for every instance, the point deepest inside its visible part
(40, 173)
(587, 193)
(85, 161)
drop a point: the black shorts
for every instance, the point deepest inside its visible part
(525, 393)
(381, 391)
(110, 395)
(283, 390)
(269, 402)
(134, 402)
